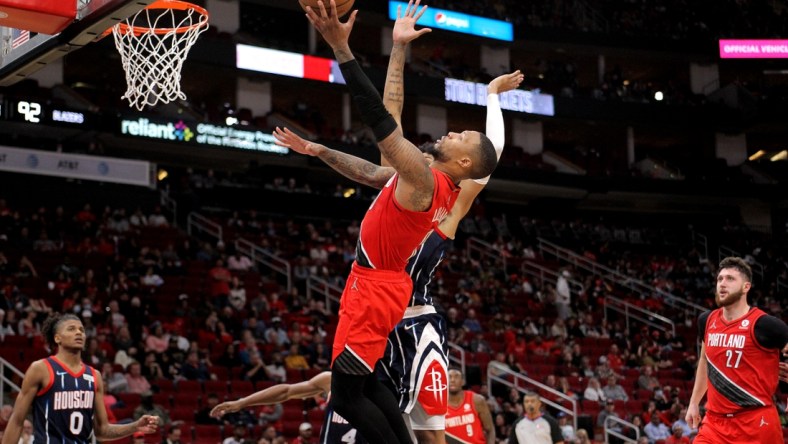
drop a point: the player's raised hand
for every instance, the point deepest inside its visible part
(328, 25)
(506, 82)
(225, 408)
(693, 416)
(405, 25)
(288, 139)
(148, 424)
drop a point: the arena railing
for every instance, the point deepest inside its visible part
(267, 259)
(484, 250)
(550, 276)
(6, 367)
(633, 312)
(523, 383)
(331, 292)
(460, 361)
(610, 431)
(196, 222)
(547, 248)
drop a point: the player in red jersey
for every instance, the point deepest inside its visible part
(468, 420)
(738, 368)
(415, 197)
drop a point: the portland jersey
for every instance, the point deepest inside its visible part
(421, 267)
(336, 430)
(463, 424)
(63, 410)
(742, 374)
(390, 234)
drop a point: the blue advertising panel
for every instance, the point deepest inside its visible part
(458, 22)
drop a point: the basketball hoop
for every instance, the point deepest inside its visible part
(153, 45)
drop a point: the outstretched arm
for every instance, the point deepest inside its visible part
(416, 184)
(276, 394)
(35, 378)
(105, 431)
(352, 167)
(495, 131)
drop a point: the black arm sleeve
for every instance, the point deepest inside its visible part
(555, 430)
(702, 319)
(373, 113)
(771, 332)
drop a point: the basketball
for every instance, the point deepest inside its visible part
(343, 6)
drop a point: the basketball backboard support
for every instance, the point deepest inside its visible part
(34, 51)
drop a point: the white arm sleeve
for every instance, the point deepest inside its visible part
(495, 129)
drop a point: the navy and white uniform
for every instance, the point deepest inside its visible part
(415, 363)
(336, 430)
(63, 410)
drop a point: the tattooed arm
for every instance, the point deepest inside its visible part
(352, 167)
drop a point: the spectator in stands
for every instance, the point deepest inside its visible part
(136, 382)
(173, 436)
(113, 382)
(276, 369)
(276, 333)
(479, 345)
(614, 391)
(610, 410)
(194, 369)
(152, 370)
(295, 360)
(647, 380)
(237, 297)
(686, 430)
(203, 416)
(27, 433)
(239, 262)
(151, 278)
(677, 437)
(581, 437)
(256, 370)
(239, 434)
(116, 319)
(614, 360)
(156, 219)
(148, 407)
(5, 415)
(5, 327)
(156, 341)
(220, 278)
(563, 299)
(567, 430)
(471, 323)
(304, 434)
(594, 392)
(230, 358)
(656, 429)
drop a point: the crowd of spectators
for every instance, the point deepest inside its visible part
(166, 310)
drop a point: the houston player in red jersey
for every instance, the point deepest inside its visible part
(738, 368)
(414, 198)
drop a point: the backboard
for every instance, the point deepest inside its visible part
(23, 52)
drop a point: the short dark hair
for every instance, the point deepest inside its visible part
(531, 394)
(486, 160)
(52, 324)
(739, 265)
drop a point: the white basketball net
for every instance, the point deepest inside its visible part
(153, 61)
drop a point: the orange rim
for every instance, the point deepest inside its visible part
(124, 29)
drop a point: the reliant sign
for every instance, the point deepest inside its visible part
(202, 134)
(516, 100)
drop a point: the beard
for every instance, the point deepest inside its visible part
(732, 298)
(431, 149)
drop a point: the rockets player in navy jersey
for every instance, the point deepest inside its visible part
(413, 197)
(66, 395)
(739, 365)
(335, 430)
(415, 363)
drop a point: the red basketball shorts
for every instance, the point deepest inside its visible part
(757, 426)
(372, 304)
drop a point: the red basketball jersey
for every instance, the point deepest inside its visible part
(463, 423)
(390, 234)
(742, 374)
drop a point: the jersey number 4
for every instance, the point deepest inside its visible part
(730, 354)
